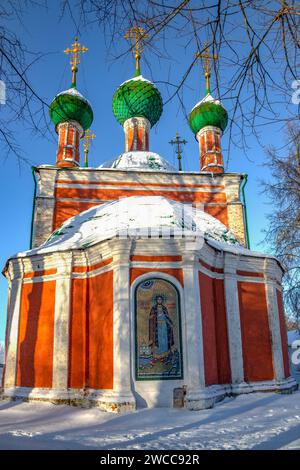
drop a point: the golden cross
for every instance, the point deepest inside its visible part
(75, 50)
(178, 150)
(137, 34)
(88, 136)
(207, 58)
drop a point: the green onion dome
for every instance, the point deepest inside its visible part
(70, 105)
(208, 112)
(137, 97)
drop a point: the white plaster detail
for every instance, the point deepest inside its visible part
(13, 333)
(195, 377)
(233, 318)
(274, 322)
(120, 250)
(62, 324)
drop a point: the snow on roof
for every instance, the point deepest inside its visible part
(134, 216)
(207, 99)
(139, 78)
(74, 92)
(139, 160)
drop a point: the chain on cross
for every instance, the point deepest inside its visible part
(75, 50)
(138, 34)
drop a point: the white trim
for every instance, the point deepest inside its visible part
(233, 318)
(110, 401)
(62, 325)
(195, 376)
(12, 334)
(157, 264)
(265, 386)
(120, 250)
(94, 273)
(138, 188)
(274, 324)
(211, 274)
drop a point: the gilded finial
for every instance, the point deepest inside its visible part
(137, 34)
(88, 136)
(207, 58)
(75, 50)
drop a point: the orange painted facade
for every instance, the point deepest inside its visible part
(36, 333)
(136, 272)
(256, 339)
(70, 201)
(208, 329)
(211, 158)
(69, 134)
(214, 331)
(91, 335)
(224, 372)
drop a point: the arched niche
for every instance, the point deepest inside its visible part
(158, 344)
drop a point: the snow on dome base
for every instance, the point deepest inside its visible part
(133, 217)
(139, 160)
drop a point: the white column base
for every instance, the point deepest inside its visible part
(203, 398)
(288, 385)
(109, 400)
(106, 400)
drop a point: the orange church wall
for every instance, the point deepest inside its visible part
(137, 184)
(224, 372)
(91, 335)
(219, 212)
(155, 258)
(104, 194)
(64, 210)
(286, 362)
(72, 204)
(256, 340)
(36, 333)
(208, 329)
(136, 272)
(100, 331)
(78, 344)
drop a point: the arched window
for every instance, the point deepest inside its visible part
(158, 349)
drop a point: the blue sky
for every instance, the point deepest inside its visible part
(98, 78)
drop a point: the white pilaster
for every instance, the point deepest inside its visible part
(120, 250)
(273, 315)
(62, 323)
(233, 318)
(194, 373)
(13, 332)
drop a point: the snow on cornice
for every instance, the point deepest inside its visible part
(139, 160)
(134, 216)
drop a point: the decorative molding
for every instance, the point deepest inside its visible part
(62, 324)
(231, 262)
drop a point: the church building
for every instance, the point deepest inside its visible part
(139, 289)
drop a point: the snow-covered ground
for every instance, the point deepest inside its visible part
(254, 421)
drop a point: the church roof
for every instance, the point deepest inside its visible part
(208, 112)
(139, 160)
(137, 97)
(131, 216)
(71, 105)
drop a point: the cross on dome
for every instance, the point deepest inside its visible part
(207, 58)
(75, 50)
(137, 33)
